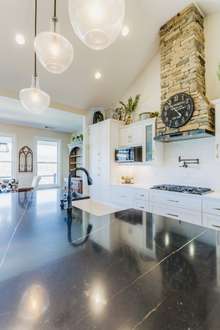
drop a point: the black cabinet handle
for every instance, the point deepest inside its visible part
(215, 226)
(173, 215)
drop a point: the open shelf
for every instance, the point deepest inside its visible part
(75, 160)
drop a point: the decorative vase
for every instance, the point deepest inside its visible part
(128, 119)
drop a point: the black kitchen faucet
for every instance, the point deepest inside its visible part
(73, 175)
(69, 209)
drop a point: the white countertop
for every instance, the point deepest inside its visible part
(211, 195)
(96, 208)
(215, 195)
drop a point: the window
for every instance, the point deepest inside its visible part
(6, 164)
(47, 162)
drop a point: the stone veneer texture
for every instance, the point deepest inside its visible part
(182, 51)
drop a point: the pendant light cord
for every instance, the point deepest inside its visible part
(54, 18)
(35, 34)
(55, 9)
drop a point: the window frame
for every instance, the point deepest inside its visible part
(58, 141)
(13, 156)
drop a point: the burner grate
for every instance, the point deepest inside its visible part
(183, 189)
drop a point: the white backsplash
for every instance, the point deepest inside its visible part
(207, 174)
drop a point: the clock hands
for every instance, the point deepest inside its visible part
(172, 107)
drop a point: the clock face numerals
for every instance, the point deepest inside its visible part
(178, 110)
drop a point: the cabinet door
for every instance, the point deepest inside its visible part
(211, 221)
(131, 135)
(177, 213)
(149, 135)
(99, 160)
(126, 137)
(172, 199)
(123, 197)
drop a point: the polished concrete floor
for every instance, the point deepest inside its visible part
(135, 270)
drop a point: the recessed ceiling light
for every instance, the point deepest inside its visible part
(20, 39)
(98, 75)
(125, 31)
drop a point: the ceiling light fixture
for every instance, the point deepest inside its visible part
(98, 75)
(20, 39)
(125, 31)
(97, 23)
(33, 98)
(54, 51)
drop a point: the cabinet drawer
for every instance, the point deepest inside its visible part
(211, 206)
(179, 200)
(211, 221)
(122, 197)
(140, 204)
(141, 194)
(178, 214)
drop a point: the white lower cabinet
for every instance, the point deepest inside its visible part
(186, 208)
(211, 206)
(140, 204)
(211, 221)
(180, 214)
(130, 197)
(171, 199)
(211, 213)
(122, 196)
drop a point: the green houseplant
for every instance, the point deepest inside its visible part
(129, 108)
(125, 111)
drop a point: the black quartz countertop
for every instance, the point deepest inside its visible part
(130, 270)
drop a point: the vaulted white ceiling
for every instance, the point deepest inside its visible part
(119, 64)
(11, 112)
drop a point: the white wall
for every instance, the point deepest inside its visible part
(26, 136)
(148, 85)
(212, 38)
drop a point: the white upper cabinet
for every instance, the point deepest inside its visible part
(142, 133)
(131, 135)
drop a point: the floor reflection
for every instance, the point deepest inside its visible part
(124, 267)
(34, 303)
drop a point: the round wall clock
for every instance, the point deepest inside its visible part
(178, 110)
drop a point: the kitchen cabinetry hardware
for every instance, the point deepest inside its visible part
(172, 215)
(217, 209)
(186, 162)
(215, 226)
(172, 201)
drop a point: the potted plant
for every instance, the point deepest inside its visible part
(129, 108)
(118, 114)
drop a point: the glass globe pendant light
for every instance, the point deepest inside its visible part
(97, 23)
(33, 98)
(54, 51)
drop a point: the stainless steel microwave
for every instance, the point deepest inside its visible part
(129, 154)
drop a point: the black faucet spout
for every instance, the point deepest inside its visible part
(73, 175)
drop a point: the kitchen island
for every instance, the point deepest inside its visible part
(135, 269)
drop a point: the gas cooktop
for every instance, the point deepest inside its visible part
(182, 189)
